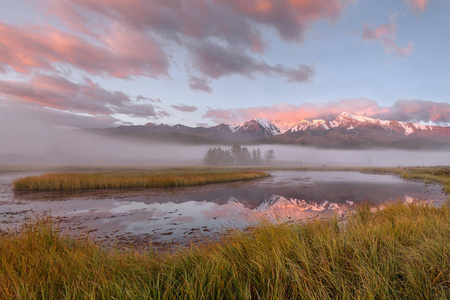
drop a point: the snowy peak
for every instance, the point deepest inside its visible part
(262, 126)
(353, 122)
(283, 126)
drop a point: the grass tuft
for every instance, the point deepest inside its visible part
(132, 179)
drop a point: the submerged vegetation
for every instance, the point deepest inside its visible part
(132, 179)
(399, 252)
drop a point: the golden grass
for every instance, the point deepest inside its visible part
(132, 179)
(401, 252)
(438, 174)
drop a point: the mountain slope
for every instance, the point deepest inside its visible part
(345, 131)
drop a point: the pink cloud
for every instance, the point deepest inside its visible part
(418, 6)
(121, 54)
(290, 18)
(233, 27)
(402, 110)
(386, 34)
(88, 97)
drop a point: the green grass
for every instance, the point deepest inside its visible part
(400, 252)
(132, 179)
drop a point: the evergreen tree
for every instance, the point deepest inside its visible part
(209, 157)
(269, 155)
(245, 157)
(236, 153)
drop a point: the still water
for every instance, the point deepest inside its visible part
(177, 214)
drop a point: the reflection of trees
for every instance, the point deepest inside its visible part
(237, 155)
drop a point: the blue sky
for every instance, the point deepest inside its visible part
(90, 60)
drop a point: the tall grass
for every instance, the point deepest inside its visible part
(401, 252)
(438, 174)
(131, 179)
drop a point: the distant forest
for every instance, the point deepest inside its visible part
(237, 155)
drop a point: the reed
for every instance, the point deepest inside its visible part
(400, 252)
(132, 179)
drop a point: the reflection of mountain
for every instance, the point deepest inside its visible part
(280, 203)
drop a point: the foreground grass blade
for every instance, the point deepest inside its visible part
(400, 252)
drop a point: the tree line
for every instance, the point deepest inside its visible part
(237, 155)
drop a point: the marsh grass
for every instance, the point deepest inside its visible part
(437, 174)
(132, 179)
(401, 252)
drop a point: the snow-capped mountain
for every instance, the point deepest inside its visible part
(262, 127)
(349, 121)
(283, 126)
(345, 131)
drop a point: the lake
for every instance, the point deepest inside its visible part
(176, 215)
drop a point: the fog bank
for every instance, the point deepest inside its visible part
(27, 140)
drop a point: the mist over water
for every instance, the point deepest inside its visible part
(27, 139)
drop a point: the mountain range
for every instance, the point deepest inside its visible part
(345, 131)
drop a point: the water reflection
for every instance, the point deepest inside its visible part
(174, 214)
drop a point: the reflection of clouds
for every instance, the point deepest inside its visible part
(227, 212)
(283, 196)
(123, 207)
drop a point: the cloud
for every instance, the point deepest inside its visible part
(386, 34)
(232, 21)
(199, 84)
(217, 61)
(418, 6)
(14, 114)
(119, 53)
(420, 110)
(143, 98)
(402, 110)
(289, 18)
(56, 92)
(137, 37)
(185, 108)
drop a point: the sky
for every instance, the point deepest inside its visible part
(103, 63)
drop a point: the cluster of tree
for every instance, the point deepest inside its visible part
(237, 155)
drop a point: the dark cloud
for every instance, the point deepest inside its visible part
(142, 98)
(185, 108)
(199, 84)
(87, 98)
(217, 61)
